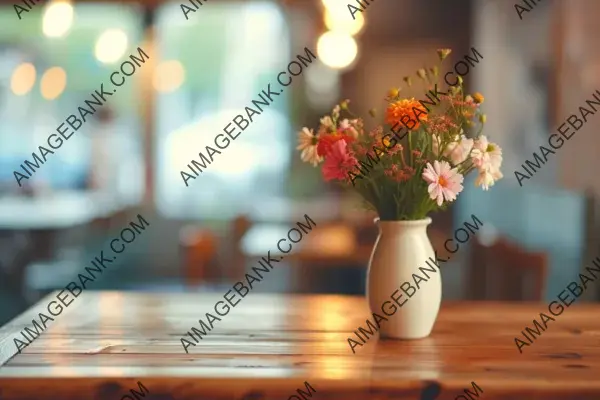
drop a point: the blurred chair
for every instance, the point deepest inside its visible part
(551, 219)
(234, 253)
(438, 238)
(63, 256)
(15, 254)
(199, 250)
(366, 232)
(501, 270)
(592, 238)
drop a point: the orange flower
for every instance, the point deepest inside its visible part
(478, 97)
(404, 108)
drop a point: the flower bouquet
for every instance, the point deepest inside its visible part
(404, 169)
(416, 163)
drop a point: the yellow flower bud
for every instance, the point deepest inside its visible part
(372, 112)
(443, 53)
(408, 80)
(478, 98)
(421, 73)
(460, 80)
(344, 104)
(482, 118)
(393, 92)
(434, 71)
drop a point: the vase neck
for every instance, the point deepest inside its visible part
(403, 227)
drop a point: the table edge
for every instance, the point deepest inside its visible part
(13, 326)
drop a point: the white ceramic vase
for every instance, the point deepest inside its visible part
(401, 248)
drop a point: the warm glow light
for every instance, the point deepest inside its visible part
(58, 18)
(336, 50)
(334, 4)
(22, 79)
(111, 45)
(53, 83)
(339, 22)
(169, 75)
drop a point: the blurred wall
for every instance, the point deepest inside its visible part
(538, 70)
(580, 78)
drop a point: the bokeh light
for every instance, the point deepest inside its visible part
(57, 19)
(111, 45)
(341, 23)
(53, 83)
(23, 79)
(169, 76)
(336, 50)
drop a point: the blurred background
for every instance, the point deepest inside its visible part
(203, 70)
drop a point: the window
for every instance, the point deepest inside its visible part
(65, 70)
(228, 53)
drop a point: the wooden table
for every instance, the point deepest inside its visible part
(269, 345)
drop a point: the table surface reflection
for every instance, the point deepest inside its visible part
(269, 345)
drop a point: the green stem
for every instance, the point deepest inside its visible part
(402, 161)
(480, 130)
(410, 148)
(350, 112)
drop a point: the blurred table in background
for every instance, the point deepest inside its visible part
(31, 226)
(269, 345)
(316, 257)
(64, 209)
(332, 244)
(326, 246)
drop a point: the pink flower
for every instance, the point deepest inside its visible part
(457, 151)
(444, 182)
(487, 177)
(376, 133)
(361, 150)
(339, 162)
(347, 128)
(486, 155)
(345, 124)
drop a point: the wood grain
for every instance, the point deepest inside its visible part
(268, 345)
